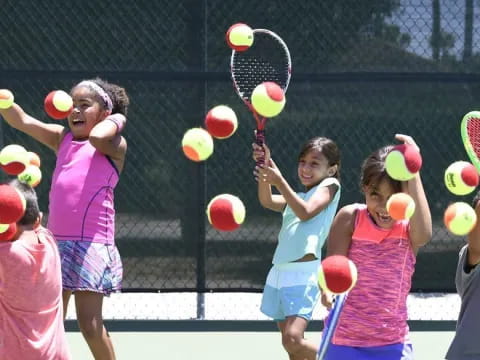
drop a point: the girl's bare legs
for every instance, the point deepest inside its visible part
(65, 299)
(293, 330)
(89, 315)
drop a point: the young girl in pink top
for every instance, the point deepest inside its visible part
(31, 321)
(373, 322)
(90, 157)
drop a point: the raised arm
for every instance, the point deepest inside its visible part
(106, 138)
(421, 221)
(473, 237)
(48, 134)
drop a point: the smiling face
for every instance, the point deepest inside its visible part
(313, 168)
(87, 112)
(376, 197)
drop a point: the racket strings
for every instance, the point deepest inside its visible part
(266, 60)
(473, 131)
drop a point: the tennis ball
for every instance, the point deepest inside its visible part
(6, 99)
(33, 159)
(400, 206)
(226, 212)
(461, 178)
(197, 144)
(58, 104)
(221, 122)
(268, 99)
(239, 37)
(337, 274)
(460, 218)
(30, 176)
(403, 162)
(12, 204)
(7, 231)
(14, 159)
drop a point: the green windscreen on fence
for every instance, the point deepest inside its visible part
(362, 71)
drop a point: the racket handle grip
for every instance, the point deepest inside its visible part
(260, 140)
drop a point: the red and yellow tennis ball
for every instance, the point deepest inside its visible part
(226, 212)
(403, 162)
(461, 178)
(14, 159)
(12, 204)
(197, 144)
(8, 231)
(32, 175)
(58, 104)
(400, 206)
(221, 122)
(268, 99)
(337, 274)
(6, 99)
(460, 218)
(239, 37)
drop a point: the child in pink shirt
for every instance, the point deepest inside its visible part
(31, 314)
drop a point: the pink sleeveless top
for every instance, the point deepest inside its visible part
(81, 196)
(375, 313)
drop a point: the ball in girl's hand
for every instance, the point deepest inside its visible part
(33, 159)
(13, 159)
(460, 218)
(32, 175)
(403, 162)
(197, 144)
(337, 274)
(7, 231)
(239, 37)
(6, 99)
(268, 99)
(226, 212)
(221, 122)
(400, 206)
(12, 204)
(461, 178)
(58, 104)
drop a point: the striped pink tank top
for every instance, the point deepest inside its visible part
(375, 313)
(81, 196)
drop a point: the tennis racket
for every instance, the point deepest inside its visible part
(470, 130)
(268, 59)
(334, 316)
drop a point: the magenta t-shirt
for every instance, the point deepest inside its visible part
(31, 311)
(81, 196)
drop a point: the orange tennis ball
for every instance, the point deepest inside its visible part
(7, 231)
(403, 162)
(268, 99)
(58, 104)
(33, 159)
(197, 144)
(400, 206)
(6, 99)
(221, 122)
(337, 274)
(12, 204)
(14, 159)
(461, 178)
(460, 218)
(239, 37)
(226, 212)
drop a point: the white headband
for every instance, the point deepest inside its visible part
(100, 91)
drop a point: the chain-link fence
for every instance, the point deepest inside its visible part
(362, 71)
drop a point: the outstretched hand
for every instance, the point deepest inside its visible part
(407, 139)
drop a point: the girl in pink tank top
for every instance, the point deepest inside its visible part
(90, 156)
(373, 322)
